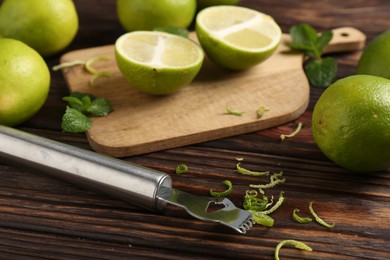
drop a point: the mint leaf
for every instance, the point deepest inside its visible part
(79, 101)
(86, 101)
(74, 103)
(322, 72)
(73, 121)
(305, 38)
(99, 107)
(80, 95)
(183, 32)
(81, 105)
(88, 105)
(323, 40)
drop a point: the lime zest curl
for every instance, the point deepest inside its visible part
(276, 205)
(224, 193)
(88, 64)
(274, 180)
(99, 75)
(253, 203)
(261, 111)
(318, 219)
(295, 243)
(296, 131)
(96, 74)
(258, 207)
(262, 219)
(299, 219)
(181, 169)
(235, 112)
(88, 67)
(67, 65)
(244, 171)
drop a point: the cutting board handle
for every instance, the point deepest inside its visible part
(346, 39)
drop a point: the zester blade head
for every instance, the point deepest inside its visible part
(220, 210)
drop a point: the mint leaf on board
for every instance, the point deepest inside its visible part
(73, 121)
(80, 95)
(87, 100)
(322, 72)
(80, 106)
(74, 103)
(99, 107)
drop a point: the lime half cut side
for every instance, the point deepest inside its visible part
(158, 63)
(237, 37)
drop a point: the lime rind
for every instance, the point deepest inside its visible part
(238, 39)
(230, 57)
(251, 25)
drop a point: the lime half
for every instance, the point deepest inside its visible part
(158, 63)
(237, 37)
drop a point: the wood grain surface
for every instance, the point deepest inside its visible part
(45, 218)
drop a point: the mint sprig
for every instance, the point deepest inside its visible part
(80, 107)
(320, 72)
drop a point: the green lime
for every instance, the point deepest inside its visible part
(24, 82)
(158, 63)
(351, 123)
(146, 15)
(237, 37)
(48, 26)
(375, 59)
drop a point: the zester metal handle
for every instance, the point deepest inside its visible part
(118, 178)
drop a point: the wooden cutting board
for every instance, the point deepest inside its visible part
(141, 123)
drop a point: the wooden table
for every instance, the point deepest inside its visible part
(45, 218)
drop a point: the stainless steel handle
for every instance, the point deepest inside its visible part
(121, 179)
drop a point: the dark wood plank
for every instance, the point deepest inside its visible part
(45, 218)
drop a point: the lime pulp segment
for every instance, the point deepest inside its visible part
(159, 50)
(242, 28)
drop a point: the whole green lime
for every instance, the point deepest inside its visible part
(147, 15)
(24, 82)
(48, 26)
(351, 123)
(375, 59)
